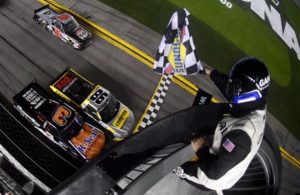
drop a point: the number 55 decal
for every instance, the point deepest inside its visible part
(61, 115)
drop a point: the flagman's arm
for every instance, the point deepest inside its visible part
(235, 147)
(219, 79)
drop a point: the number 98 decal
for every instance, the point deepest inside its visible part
(61, 115)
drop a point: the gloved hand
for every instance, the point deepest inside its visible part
(179, 172)
(205, 71)
(198, 143)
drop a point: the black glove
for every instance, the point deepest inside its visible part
(202, 71)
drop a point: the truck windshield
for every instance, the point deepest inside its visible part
(79, 90)
(110, 109)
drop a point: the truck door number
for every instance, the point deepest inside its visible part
(61, 115)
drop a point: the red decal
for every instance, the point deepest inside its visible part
(64, 17)
(57, 32)
(64, 81)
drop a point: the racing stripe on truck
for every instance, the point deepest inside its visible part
(155, 103)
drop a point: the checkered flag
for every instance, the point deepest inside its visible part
(155, 103)
(177, 52)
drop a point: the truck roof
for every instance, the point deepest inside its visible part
(64, 18)
(73, 85)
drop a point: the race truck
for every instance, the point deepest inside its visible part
(95, 101)
(59, 122)
(63, 26)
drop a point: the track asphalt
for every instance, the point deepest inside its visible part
(147, 41)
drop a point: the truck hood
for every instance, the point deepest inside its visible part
(81, 34)
(89, 141)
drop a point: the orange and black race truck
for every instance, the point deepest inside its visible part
(95, 101)
(59, 122)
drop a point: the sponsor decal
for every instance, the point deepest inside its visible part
(86, 142)
(57, 32)
(81, 148)
(263, 83)
(202, 100)
(82, 34)
(63, 82)
(64, 17)
(61, 115)
(222, 127)
(270, 14)
(90, 139)
(121, 118)
(178, 53)
(33, 98)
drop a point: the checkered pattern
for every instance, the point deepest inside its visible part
(152, 110)
(177, 52)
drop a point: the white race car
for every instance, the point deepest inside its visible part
(63, 26)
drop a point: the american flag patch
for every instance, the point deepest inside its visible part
(228, 145)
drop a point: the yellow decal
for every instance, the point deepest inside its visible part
(121, 118)
(177, 55)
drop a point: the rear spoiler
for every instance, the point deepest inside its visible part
(41, 8)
